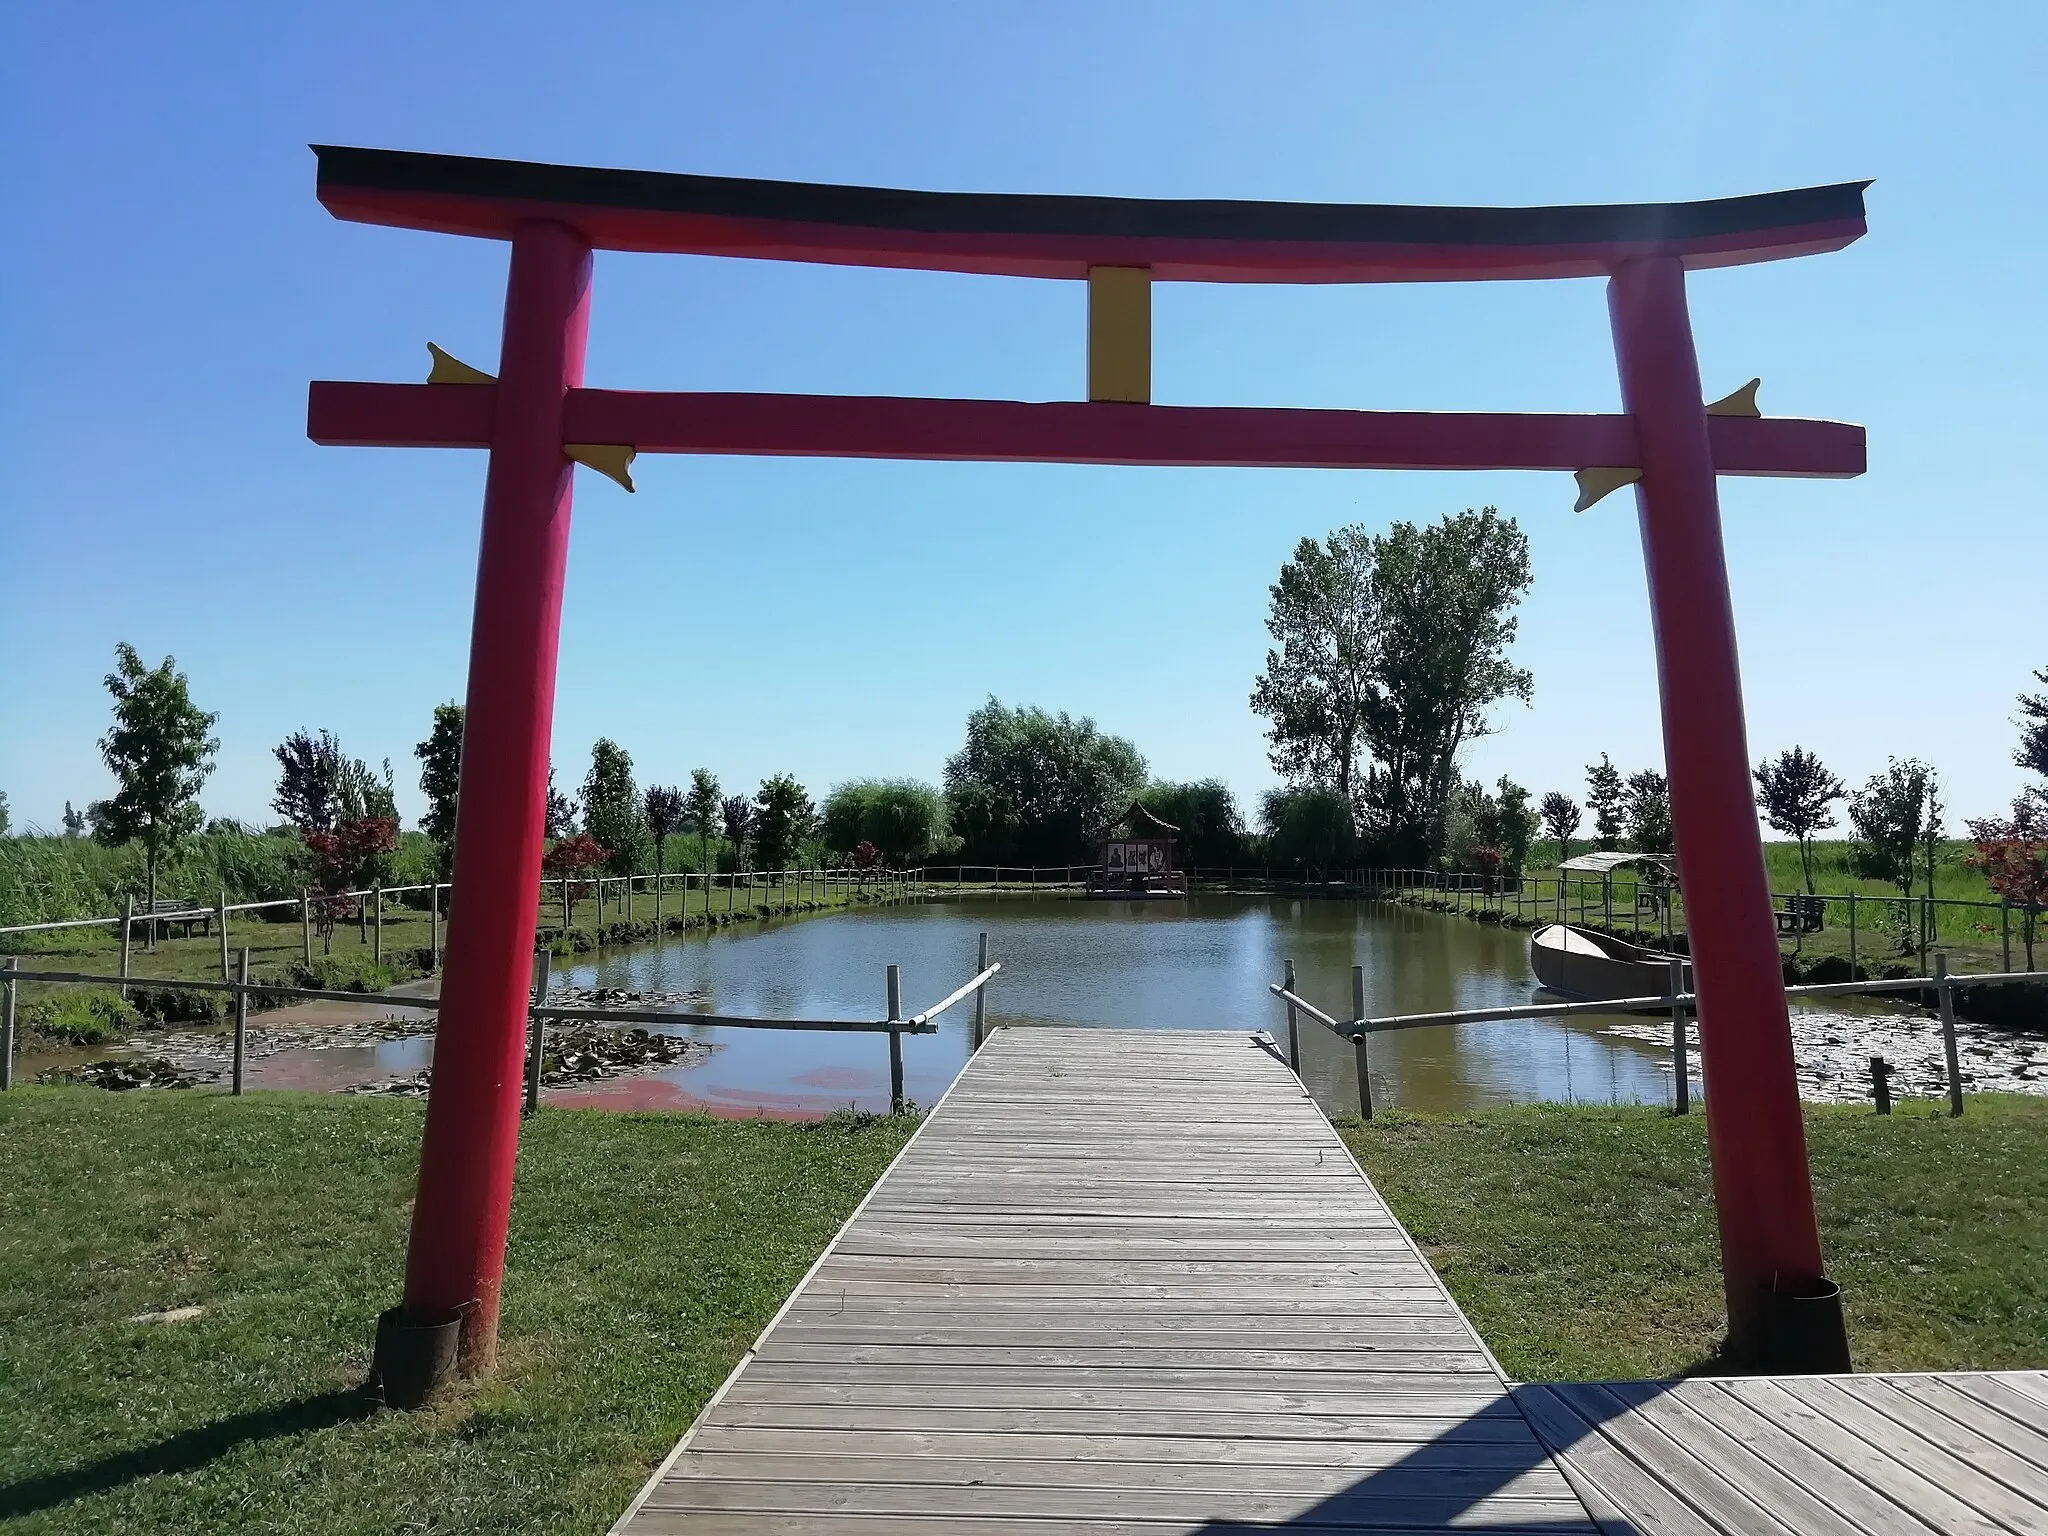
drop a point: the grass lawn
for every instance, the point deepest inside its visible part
(647, 1253)
(1581, 1241)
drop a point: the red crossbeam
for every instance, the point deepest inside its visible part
(1066, 431)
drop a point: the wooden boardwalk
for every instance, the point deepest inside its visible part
(1132, 1282)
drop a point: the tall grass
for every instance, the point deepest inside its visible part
(49, 879)
(1833, 871)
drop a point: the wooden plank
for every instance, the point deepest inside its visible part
(1399, 1473)
(1358, 1505)
(1944, 1396)
(666, 1522)
(1493, 1448)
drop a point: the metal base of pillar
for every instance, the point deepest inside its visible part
(413, 1361)
(1803, 1331)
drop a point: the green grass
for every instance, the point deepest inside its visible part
(1581, 1241)
(647, 1252)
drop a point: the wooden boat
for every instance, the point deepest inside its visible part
(1590, 967)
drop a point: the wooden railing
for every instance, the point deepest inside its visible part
(1359, 1028)
(893, 1023)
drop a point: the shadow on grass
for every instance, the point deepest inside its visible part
(188, 1450)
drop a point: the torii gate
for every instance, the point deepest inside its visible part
(537, 419)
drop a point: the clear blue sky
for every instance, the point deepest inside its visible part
(168, 285)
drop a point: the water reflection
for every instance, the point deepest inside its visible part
(1200, 964)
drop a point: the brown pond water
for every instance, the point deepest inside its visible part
(1200, 964)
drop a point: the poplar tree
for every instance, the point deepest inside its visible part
(159, 754)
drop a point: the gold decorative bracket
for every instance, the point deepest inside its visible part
(1741, 403)
(612, 460)
(453, 370)
(1595, 483)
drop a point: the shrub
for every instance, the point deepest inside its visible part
(82, 1016)
(339, 973)
(174, 1005)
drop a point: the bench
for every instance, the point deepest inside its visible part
(173, 911)
(1801, 914)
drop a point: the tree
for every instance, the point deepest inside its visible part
(1446, 595)
(1311, 829)
(569, 861)
(6, 822)
(345, 857)
(74, 821)
(559, 818)
(1648, 812)
(1509, 824)
(310, 770)
(2033, 749)
(1607, 798)
(1796, 792)
(1211, 830)
(1561, 818)
(160, 756)
(1886, 817)
(1487, 830)
(2014, 857)
(1392, 648)
(1030, 787)
(611, 805)
(905, 820)
(736, 820)
(1324, 615)
(664, 811)
(702, 807)
(440, 758)
(783, 819)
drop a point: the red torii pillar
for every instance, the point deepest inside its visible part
(1763, 1189)
(455, 1262)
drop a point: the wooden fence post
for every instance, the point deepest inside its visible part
(128, 938)
(1945, 990)
(7, 1022)
(895, 1041)
(305, 925)
(1293, 1038)
(537, 1029)
(241, 1019)
(220, 913)
(1358, 1039)
(434, 925)
(377, 923)
(1881, 1084)
(1681, 1080)
(980, 992)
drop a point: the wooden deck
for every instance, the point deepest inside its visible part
(1127, 1282)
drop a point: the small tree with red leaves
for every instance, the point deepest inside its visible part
(1489, 859)
(2013, 854)
(568, 861)
(342, 857)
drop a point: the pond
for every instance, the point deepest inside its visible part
(1200, 964)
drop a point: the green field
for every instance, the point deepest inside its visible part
(1581, 1241)
(647, 1253)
